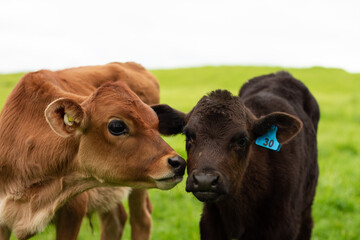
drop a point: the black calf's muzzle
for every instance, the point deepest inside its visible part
(206, 186)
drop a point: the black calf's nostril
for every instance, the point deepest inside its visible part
(195, 181)
(215, 181)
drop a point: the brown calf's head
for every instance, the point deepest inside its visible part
(118, 136)
(220, 136)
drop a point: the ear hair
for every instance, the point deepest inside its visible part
(171, 121)
(64, 116)
(288, 126)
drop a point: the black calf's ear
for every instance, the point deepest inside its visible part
(288, 126)
(171, 121)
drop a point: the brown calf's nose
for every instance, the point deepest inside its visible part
(178, 164)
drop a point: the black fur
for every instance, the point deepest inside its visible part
(268, 194)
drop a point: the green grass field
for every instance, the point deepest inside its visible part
(336, 210)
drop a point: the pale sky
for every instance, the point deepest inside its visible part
(38, 34)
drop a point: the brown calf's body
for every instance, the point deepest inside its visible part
(251, 192)
(104, 136)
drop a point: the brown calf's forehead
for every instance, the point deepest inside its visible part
(117, 100)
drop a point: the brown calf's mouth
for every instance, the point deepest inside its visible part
(168, 182)
(176, 177)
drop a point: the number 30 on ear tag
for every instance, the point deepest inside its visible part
(268, 140)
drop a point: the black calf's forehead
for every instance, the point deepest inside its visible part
(218, 114)
(219, 106)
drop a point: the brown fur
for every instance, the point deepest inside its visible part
(250, 192)
(40, 170)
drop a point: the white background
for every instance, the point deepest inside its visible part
(36, 34)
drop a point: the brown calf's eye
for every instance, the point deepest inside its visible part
(117, 128)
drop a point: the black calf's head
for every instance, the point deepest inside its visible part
(220, 136)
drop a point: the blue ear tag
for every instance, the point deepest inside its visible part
(268, 140)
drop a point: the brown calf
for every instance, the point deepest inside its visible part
(96, 133)
(252, 192)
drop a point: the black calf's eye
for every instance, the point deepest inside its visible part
(190, 138)
(241, 142)
(117, 127)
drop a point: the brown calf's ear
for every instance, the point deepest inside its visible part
(288, 126)
(171, 121)
(64, 116)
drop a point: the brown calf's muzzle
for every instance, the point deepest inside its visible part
(163, 165)
(177, 164)
(207, 186)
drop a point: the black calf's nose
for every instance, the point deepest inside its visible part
(178, 164)
(205, 181)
